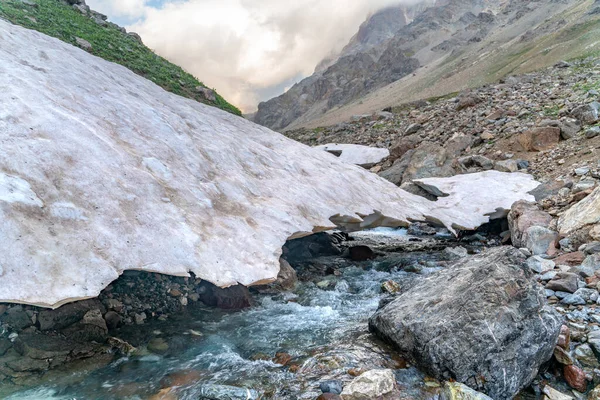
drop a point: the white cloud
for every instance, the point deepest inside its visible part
(119, 8)
(242, 46)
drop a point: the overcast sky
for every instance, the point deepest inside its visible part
(249, 50)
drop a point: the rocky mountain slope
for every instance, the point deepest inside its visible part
(449, 46)
(74, 22)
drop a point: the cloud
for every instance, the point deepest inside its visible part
(243, 48)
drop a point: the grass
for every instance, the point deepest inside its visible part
(62, 21)
(552, 111)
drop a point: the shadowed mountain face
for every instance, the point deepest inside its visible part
(400, 41)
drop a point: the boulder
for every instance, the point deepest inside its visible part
(476, 161)
(539, 139)
(583, 214)
(403, 145)
(363, 156)
(588, 113)
(429, 160)
(232, 298)
(506, 166)
(206, 93)
(483, 322)
(395, 173)
(540, 240)
(371, 385)
(522, 216)
(147, 180)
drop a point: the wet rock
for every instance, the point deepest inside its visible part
(334, 387)
(539, 139)
(91, 328)
(361, 253)
(391, 287)
(310, 247)
(232, 298)
(458, 391)
(575, 377)
(282, 358)
(67, 315)
(181, 378)
(370, 385)
(484, 345)
(223, 392)
(17, 318)
(113, 320)
(158, 345)
(564, 282)
(523, 216)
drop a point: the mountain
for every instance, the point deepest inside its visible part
(72, 21)
(406, 53)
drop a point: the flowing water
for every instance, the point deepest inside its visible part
(324, 330)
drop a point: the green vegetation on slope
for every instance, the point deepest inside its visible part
(62, 21)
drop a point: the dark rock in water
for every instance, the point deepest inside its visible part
(361, 253)
(5, 344)
(483, 322)
(222, 392)
(231, 298)
(313, 246)
(334, 387)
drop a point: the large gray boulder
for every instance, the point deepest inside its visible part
(482, 322)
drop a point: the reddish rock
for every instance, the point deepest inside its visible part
(282, 358)
(564, 338)
(539, 139)
(570, 259)
(575, 377)
(355, 372)
(522, 216)
(186, 377)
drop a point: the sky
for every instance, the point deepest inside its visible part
(248, 50)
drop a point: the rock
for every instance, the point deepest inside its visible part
(395, 173)
(564, 282)
(588, 113)
(592, 132)
(232, 210)
(458, 391)
(222, 392)
(232, 298)
(139, 318)
(478, 346)
(573, 300)
(282, 358)
(398, 149)
(391, 287)
(569, 129)
(562, 64)
(428, 160)
(593, 339)
(467, 100)
(287, 277)
(363, 156)
(590, 265)
(524, 215)
(67, 315)
(586, 356)
(361, 253)
(506, 166)
(84, 44)
(563, 356)
(206, 93)
(539, 265)
(594, 394)
(540, 240)
(575, 377)
(414, 128)
(17, 318)
(113, 320)
(91, 328)
(5, 344)
(455, 253)
(158, 345)
(539, 139)
(590, 295)
(582, 214)
(477, 162)
(329, 396)
(564, 338)
(334, 387)
(570, 259)
(370, 385)
(553, 394)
